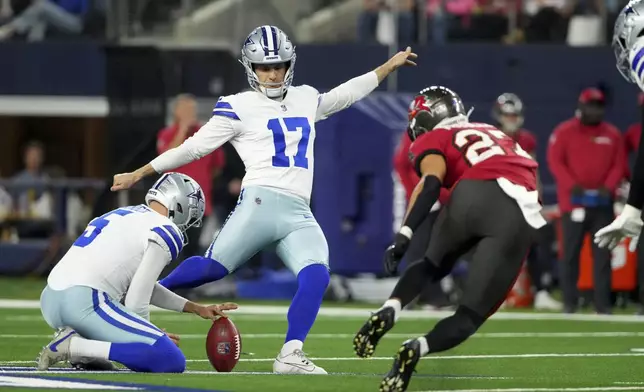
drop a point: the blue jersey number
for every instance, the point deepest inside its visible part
(94, 228)
(292, 125)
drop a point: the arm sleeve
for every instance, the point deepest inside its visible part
(345, 95)
(430, 143)
(217, 131)
(166, 299)
(138, 296)
(616, 173)
(557, 160)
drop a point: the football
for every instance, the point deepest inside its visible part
(223, 345)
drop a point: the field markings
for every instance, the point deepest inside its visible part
(343, 312)
(428, 358)
(31, 370)
(482, 335)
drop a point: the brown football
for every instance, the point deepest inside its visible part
(223, 345)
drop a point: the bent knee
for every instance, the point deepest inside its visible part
(167, 357)
(314, 277)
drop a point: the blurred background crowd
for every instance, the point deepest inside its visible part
(89, 88)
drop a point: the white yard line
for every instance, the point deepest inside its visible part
(21, 370)
(340, 312)
(483, 335)
(429, 358)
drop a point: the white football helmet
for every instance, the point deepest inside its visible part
(268, 45)
(183, 198)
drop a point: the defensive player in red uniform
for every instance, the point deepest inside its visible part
(493, 210)
(508, 112)
(432, 295)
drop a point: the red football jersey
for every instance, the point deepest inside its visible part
(477, 151)
(526, 140)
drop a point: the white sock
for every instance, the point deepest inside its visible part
(291, 346)
(424, 347)
(80, 347)
(393, 303)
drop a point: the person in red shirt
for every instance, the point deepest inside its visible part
(203, 171)
(493, 210)
(586, 158)
(508, 113)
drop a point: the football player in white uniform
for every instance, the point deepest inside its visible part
(272, 127)
(121, 254)
(628, 46)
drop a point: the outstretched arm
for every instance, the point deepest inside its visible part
(359, 87)
(211, 136)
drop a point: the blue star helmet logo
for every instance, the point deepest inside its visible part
(198, 195)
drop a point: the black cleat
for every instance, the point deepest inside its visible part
(372, 331)
(397, 380)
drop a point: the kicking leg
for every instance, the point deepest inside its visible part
(305, 252)
(247, 229)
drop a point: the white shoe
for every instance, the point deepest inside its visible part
(543, 301)
(57, 350)
(295, 363)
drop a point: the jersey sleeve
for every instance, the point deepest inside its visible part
(344, 95)
(433, 142)
(636, 59)
(222, 126)
(169, 238)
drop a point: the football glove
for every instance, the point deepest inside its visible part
(396, 251)
(627, 224)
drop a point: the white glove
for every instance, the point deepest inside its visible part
(627, 224)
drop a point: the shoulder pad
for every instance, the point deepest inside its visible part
(225, 107)
(168, 237)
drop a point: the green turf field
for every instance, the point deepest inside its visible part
(507, 355)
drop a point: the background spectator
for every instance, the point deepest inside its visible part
(63, 15)
(546, 20)
(32, 201)
(387, 21)
(204, 170)
(586, 158)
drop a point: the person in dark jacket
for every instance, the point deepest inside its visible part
(586, 158)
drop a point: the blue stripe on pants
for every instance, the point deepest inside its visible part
(129, 316)
(103, 315)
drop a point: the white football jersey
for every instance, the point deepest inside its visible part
(274, 138)
(109, 252)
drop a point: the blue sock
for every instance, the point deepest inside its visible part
(193, 272)
(312, 283)
(161, 357)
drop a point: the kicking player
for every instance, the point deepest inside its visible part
(628, 46)
(493, 209)
(121, 254)
(272, 127)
